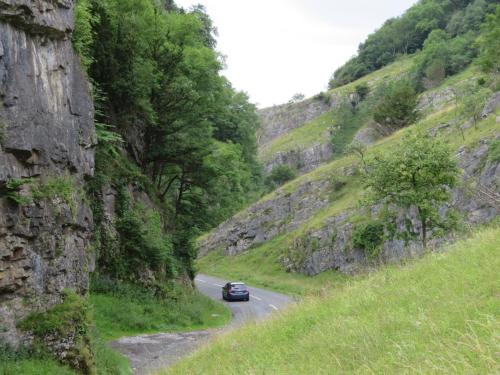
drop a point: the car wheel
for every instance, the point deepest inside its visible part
(248, 299)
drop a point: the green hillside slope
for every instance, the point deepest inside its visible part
(261, 265)
(439, 315)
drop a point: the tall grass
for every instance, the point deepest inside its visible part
(126, 310)
(437, 315)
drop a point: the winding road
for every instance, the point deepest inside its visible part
(149, 353)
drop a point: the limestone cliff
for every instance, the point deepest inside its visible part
(47, 137)
(281, 119)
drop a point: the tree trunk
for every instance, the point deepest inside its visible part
(423, 222)
(424, 233)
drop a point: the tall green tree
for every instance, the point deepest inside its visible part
(489, 43)
(418, 174)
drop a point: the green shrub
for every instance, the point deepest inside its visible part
(323, 97)
(338, 183)
(60, 187)
(12, 190)
(368, 236)
(362, 90)
(279, 176)
(83, 35)
(398, 106)
(141, 244)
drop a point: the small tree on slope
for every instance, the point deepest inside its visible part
(419, 173)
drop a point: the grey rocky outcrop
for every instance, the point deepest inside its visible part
(281, 119)
(492, 105)
(302, 160)
(47, 133)
(330, 246)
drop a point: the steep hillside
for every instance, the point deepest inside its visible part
(307, 225)
(307, 134)
(438, 315)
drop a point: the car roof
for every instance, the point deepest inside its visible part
(237, 283)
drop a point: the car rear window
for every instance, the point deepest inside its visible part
(239, 286)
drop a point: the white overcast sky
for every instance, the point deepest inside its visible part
(276, 48)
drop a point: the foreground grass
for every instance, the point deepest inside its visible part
(29, 362)
(436, 315)
(126, 311)
(33, 367)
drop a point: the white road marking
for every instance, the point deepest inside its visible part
(201, 281)
(257, 298)
(218, 285)
(274, 307)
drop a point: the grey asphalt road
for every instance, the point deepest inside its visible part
(262, 302)
(150, 353)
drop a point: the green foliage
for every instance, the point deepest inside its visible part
(61, 188)
(338, 183)
(228, 190)
(418, 173)
(323, 97)
(83, 34)
(489, 43)
(72, 314)
(398, 106)
(472, 103)
(350, 116)
(279, 176)
(362, 90)
(164, 83)
(12, 190)
(368, 236)
(494, 151)
(406, 34)
(36, 190)
(443, 56)
(142, 244)
(122, 309)
(108, 138)
(71, 318)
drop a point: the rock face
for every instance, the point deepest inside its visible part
(279, 120)
(329, 247)
(46, 134)
(301, 160)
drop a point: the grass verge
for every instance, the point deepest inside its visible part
(126, 310)
(437, 315)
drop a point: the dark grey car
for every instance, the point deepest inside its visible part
(235, 291)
